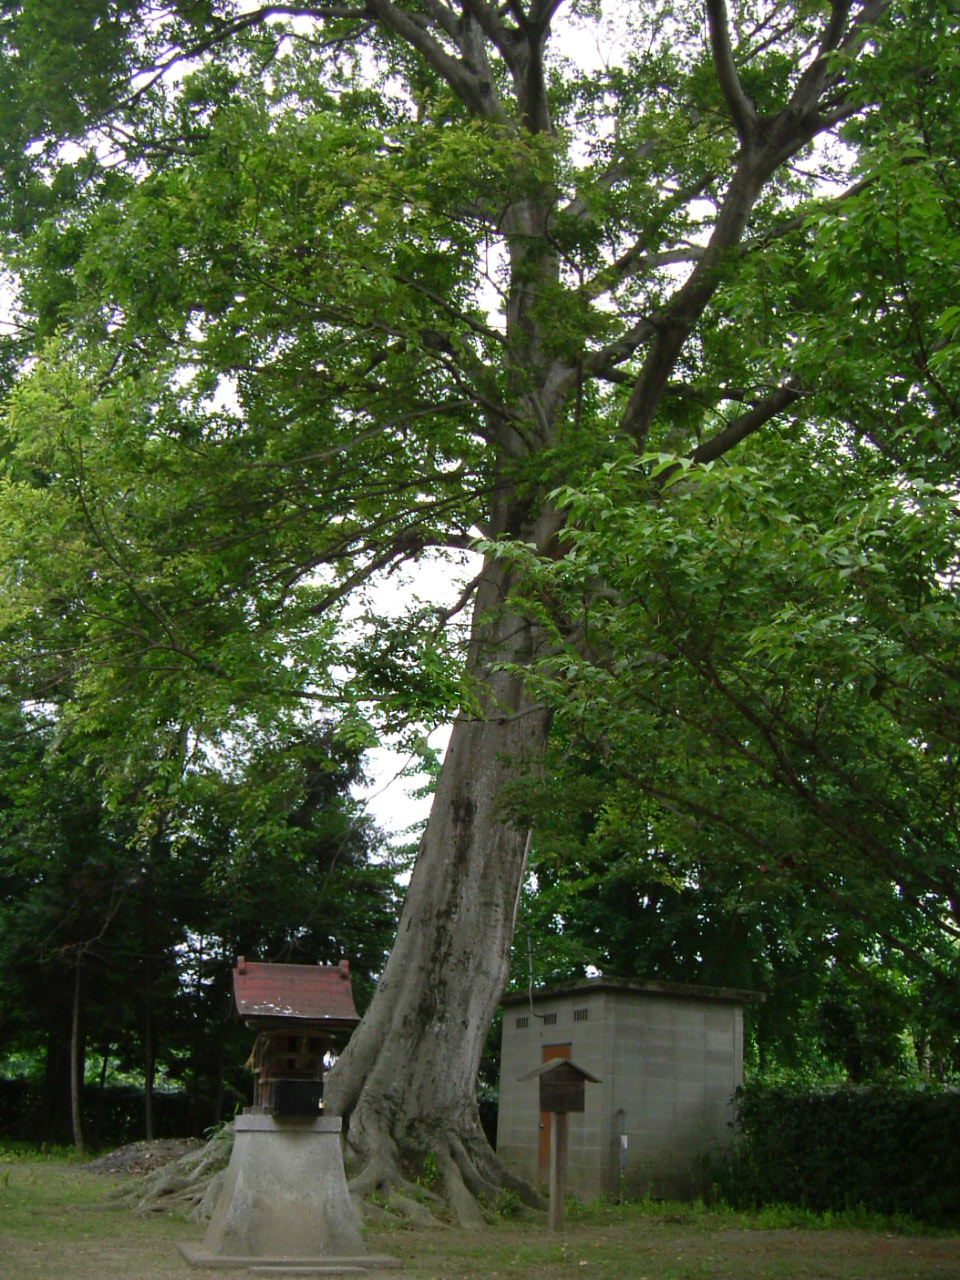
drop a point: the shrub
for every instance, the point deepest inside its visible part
(889, 1149)
(111, 1116)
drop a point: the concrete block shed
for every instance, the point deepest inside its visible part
(669, 1058)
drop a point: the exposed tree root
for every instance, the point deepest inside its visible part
(458, 1176)
(463, 1203)
(433, 1179)
(411, 1211)
(189, 1185)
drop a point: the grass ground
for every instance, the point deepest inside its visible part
(56, 1223)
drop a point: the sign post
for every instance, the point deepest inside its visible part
(561, 1091)
(558, 1170)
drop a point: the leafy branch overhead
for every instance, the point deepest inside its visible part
(359, 314)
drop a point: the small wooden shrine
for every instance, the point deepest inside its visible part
(284, 1207)
(301, 1012)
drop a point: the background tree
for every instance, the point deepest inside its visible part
(87, 941)
(286, 867)
(352, 289)
(619, 885)
(122, 947)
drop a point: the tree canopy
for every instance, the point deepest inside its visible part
(309, 293)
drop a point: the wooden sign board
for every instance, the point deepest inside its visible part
(562, 1089)
(561, 1085)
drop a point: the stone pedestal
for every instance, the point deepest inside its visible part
(284, 1203)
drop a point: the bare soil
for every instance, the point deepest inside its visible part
(143, 1157)
(57, 1223)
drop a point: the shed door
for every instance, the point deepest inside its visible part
(550, 1051)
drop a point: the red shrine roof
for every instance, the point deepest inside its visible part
(282, 994)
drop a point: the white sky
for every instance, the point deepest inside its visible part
(389, 799)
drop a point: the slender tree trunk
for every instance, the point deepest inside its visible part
(407, 1078)
(149, 1045)
(218, 1082)
(149, 1064)
(76, 1062)
(50, 1121)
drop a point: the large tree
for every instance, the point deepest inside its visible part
(315, 289)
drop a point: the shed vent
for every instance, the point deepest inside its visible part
(523, 1021)
(549, 1019)
(581, 1015)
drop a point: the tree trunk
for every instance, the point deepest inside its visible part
(150, 947)
(149, 1068)
(407, 1078)
(49, 1122)
(76, 1064)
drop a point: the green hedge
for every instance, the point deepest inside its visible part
(884, 1148)
(111, 1116)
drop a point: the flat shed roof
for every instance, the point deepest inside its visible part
(674, 990)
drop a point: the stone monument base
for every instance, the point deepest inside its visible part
(284, 1208)
(199, 1257)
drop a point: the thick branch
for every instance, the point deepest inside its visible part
(775, 140)
(444, 17)
(811, 85)
(474, 90)
(638, 258)
(747, 423)
(810, 99)
(522, 51)
(674, 323)
(742, 111)
(542, 12)
(602, 364)
(489, 21)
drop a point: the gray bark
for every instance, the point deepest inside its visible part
(407, 1079)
